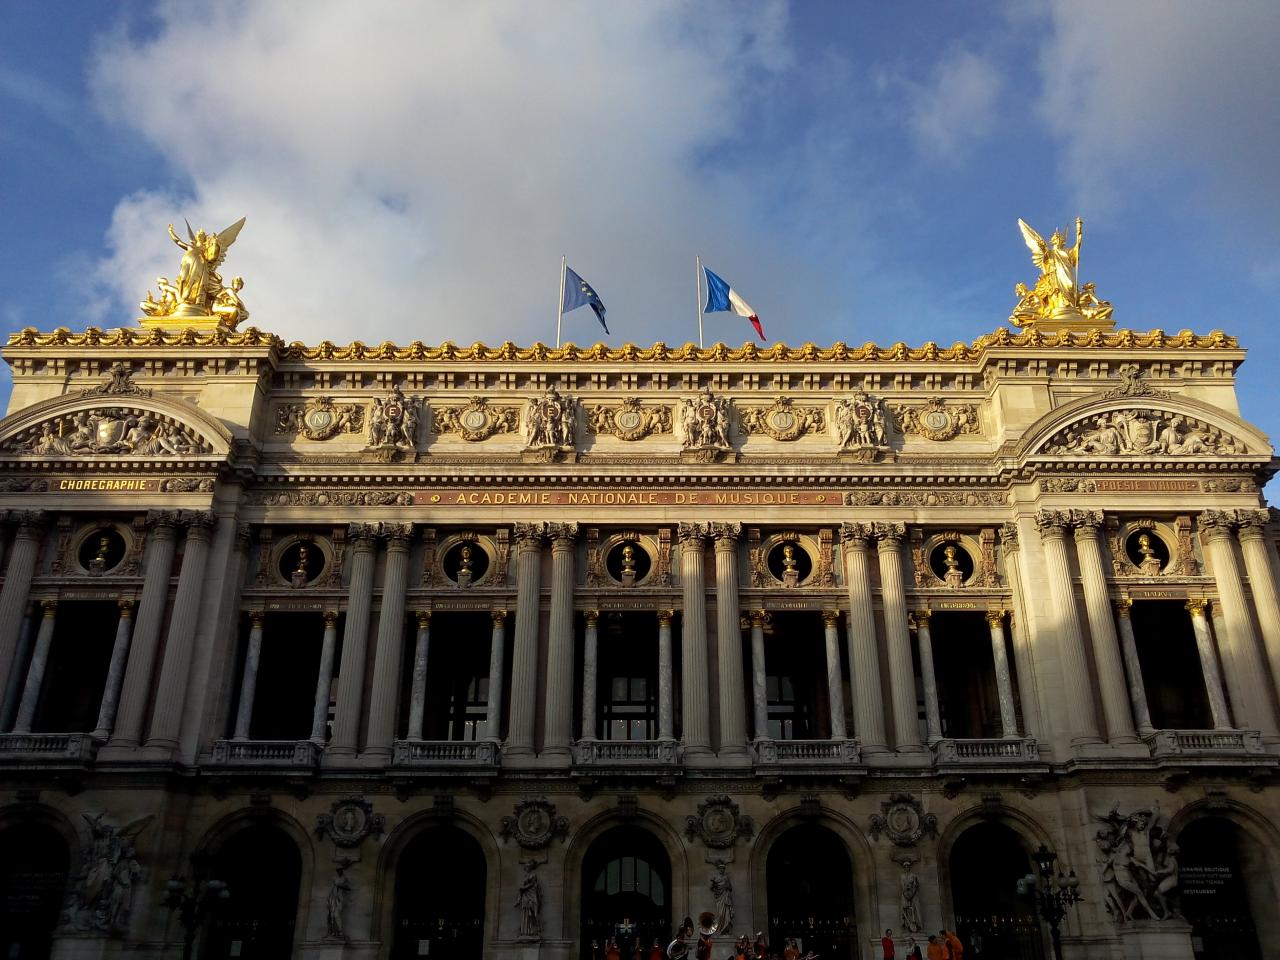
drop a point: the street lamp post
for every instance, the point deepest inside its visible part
(194, 902)
(1053, 895)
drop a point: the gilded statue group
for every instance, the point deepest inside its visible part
(1057, 294)
(198, 291)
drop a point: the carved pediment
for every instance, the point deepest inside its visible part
(109, 430)
(1142, 432)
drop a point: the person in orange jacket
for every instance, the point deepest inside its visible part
(953, 944)
(937, 949)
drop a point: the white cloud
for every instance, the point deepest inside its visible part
(1146, 89)
(956, 106)
(416, 170)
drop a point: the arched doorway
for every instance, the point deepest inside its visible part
(1227, 891)
(33, 878)
(986, 862)
(262, 868)
(626, 891)
(809, 881)
(440, 888)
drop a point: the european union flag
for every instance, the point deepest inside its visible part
(578, 292)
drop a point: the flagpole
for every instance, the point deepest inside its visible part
(698, 285)
(560, 304)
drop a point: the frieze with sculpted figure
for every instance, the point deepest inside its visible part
(124, 431)
(937, 420)
(1142, 432)
(319, 418)
(476, 421)
(629, 421)
(783, 420)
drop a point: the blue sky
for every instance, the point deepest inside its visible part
(855, 170)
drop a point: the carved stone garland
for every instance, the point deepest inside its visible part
(902, 818)
(937, 420)
(319, 418)
(628, 421)
(535, 824)
(783, 420)
(719, 823)
(476, 421)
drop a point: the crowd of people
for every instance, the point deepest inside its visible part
(943, 945)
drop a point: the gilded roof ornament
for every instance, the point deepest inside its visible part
(1058, 301)
(196, 297)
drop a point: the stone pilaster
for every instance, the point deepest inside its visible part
(13, 600)
(893, 598)
(160, 549)
(115, 671)
(733, 707)
(1209, 664)
(590, 674)
(864, 654)
(1106, 648)
(558, 719)
(666, 677)
(1241, 655)
(1262, 583)
(418, 683)
(1133, 668)
(324, 678)
(361, 543)
(249, 680)
(1004, 681)
(835, 684)
(928, 676)
(524, 669)
(695, 686)
(175, 668)
(39, 662)
(497, 666)
(1018, 631)
(389, 653)
(1074, 663)
(759, 676)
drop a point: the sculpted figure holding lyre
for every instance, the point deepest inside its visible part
(1057, 294)
(198, 291)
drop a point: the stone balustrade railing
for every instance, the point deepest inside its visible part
(1170, 743)
(47, 747)
(806, 752)
(437, 753)
(265, 753)
(975, 751)
(624, 752)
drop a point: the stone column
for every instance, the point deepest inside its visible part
(35, 673)
(864, 654)
(524, 667)
(590, 677)
(249, 681)
(902, 678)
(1241, 654)
(389, 653)
(928, 677)
(1262, 583)
(835, 684)
(733, 705)
(1133, 668)
(418, 685)
(115, 671)
(1106, 649)
(696, 731)
(146, 634)
(355, 638)
(666, 678)
(1075, 665)
(497, 665)
(171, 692)
(759, 676)
(18, 675)
(1018, 632)
(1004, 682)
(324, 679)
(558, 718)
(1209, 665)
(13, 598)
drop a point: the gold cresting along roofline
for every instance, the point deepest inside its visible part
(659, 352)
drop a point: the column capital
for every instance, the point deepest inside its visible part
(830, 618)
(995, 618)
(692, 535)
(890, 535)
(163, 524)
(855, 534)
(362, 536)
(529, 536)
(126, 606)
(398, 536)
(330, 619)
(1197, 606)
(1053, 524)
(499, 617)
(1252, 524)
(1087, 522)
(1217, 523)
(923, 616)
(424, 618)
(49, 606)
(759, 618)
(592, 617)
(255, 619)
(1124, 607)
(1009, 536)
(727, 535)
(665, 617)
(31, 524)
(200, 525)
(564, 536)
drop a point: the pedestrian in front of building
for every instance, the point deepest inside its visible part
(791, 951)
(913, 949)
(886, 945)
(954, 944)
(655, 952)
(936, 950)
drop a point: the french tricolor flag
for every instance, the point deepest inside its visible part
(721, 296)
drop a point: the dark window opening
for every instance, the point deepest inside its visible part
(809, 881)
(1171, 670)
(1226, 891)
(626, 884)
(968, 697)
(33, 877)
(627, 672)
(992, 920)
(439, 905)
(284, 699)
(796, 677)
(76, 674)
(457, 691)
(262, 869)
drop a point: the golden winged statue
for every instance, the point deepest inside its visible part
(197, 296)
(1057, 298)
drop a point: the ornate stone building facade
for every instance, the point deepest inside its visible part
(500, 652)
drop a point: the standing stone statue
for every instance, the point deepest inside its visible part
(722, 891)
(909, 889)
(335, 904)
(529, 902)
